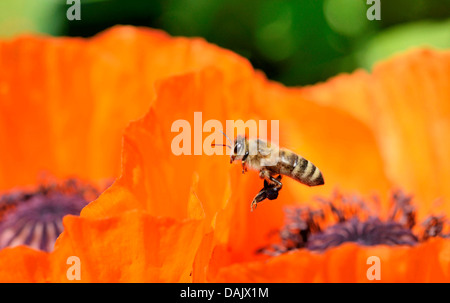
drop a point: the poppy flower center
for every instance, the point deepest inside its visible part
(370, 232)
(34, 218)
(305, 228)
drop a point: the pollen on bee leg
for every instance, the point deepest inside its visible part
(34, 218)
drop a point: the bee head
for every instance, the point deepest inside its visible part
(240, 149)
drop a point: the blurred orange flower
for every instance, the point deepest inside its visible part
(174, 218)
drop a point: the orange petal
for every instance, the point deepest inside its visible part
(90, 89)
(405, 102)
(151, 171)
(195, 208)
(202, 259)
(134, 247)
(348, 263)
(23, 265)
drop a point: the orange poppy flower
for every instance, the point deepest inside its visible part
(171, 218)
(60, 137)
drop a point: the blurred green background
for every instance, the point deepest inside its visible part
(297, 42)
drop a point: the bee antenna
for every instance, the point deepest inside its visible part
(229, 140)
(214, 144)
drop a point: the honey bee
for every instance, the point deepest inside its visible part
(271, 160)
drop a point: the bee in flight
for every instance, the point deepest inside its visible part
(271, 160)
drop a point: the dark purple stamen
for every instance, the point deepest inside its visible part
(35, 218)
(434, 227)
(370, 232)
(355, 222)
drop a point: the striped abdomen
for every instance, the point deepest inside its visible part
(298, 168)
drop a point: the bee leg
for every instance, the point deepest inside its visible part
(259, 197)
(244, 167)
(276, 181)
